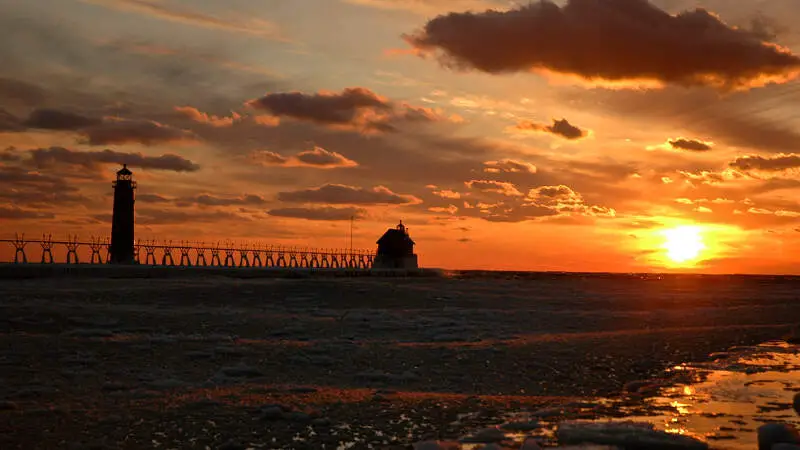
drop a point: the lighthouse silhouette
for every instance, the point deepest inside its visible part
(122, 221)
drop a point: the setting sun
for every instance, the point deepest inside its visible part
(683, 244)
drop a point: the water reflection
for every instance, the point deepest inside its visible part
(733, 397)
(722, 402)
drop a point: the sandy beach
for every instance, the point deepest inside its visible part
(349, 362)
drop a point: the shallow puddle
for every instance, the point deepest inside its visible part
(724, 405)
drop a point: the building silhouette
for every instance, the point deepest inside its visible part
(396, 250)
(122, 221)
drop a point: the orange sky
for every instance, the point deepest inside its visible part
(557, 136)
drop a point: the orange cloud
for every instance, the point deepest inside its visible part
(318, 157)
(201, 117)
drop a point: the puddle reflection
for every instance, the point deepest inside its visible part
(724, 405)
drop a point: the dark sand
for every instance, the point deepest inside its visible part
(191, 363)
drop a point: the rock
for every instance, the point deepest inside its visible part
(231, 445)
(241, 371)
(166, 384)
(776, 433)
(521, 426)
(436, 445)
(796, 403)
(530, 444)
(321, 422)
(625, 435)
(428, 445)
(272, 413)
(491, 447)
(487, 435)
(7, 406)
(785, 447)
(297, 416)
(303, 390)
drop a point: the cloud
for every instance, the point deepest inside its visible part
(9, 122)
(268, 158)
(559, 127)
(21, 92)
(498, 187)
(318, 158)
(213, 200)
(49, 157)
(509, 166)
(160, 216)
(767, 164)
(427, 7)
(326, 213)
(354, 108)
(54, 119)
(15, 213)
(614, 41)
(346, 107)
(125, 131)
(446, 193)
(201, 117)
(152, 198)
(565, 200)
(159, 10)
(342, 194)
(690, 144)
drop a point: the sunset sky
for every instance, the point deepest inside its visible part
(581, 135)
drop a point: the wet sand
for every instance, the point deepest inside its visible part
(326, 363)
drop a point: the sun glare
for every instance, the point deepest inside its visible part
(683, 244)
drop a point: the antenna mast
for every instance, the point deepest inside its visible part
(351, 234)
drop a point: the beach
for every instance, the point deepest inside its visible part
(366, 362)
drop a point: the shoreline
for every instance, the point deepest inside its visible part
(87, 270)
(122, 362)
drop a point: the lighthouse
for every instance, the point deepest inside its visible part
(122, 220)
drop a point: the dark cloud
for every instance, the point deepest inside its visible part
(326, 108)
(9, 155)
(9, 122)
(15, 213)
(21, 92)
(152, 198)
(559, 127)
(148, 216)
(212, 200)
(55, 119)
(141, 131)
(616, 41)
(689, 144)
(767, 164)
(342, 194)
(354, 108)
(327, 213)
(324, 158)
(48, 157)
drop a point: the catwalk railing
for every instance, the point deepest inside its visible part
(187, 254)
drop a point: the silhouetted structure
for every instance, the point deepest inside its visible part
(396, 250)
(121, 249)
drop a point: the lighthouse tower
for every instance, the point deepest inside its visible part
(122, 221)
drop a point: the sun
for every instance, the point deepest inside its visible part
(683, 244)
